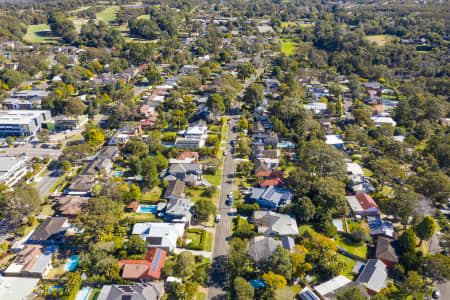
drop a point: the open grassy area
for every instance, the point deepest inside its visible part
(108, 14)
(194, 237)
(152, 196)
(380, 39)
(288, 47)
(349, 264)
(78, 23)
(40, 34)
(359, 249)
(200, 296)
(57, 273)
(209, 241)
(47, 210)
(287, 24)
(196, 194)
(141, 217)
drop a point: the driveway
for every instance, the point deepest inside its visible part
(217, 276)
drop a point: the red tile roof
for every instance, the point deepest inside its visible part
(272, 178)
(133, 205)
(187, 154)
(366, 201)
(149, 267)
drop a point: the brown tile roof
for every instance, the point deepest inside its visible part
(133, 205)
(72, 205)
(366, 201)
(187, 154)
(149, 267)
(29, 255)
(387, 249)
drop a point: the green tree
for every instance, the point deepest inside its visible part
(242, 124)
(238, 261)
(353, 293)
(243, 289)
(66, 166)
(245, 70)
(20, 202)
(215, 104)
(185, 264)
(254, 95)
(94, 137)
(136, 245)
(425, 229)
(74, 107)
(437, 267)
(359, 235)
(412, 285)
(273, 280)
(204, 208)
(407, 241)
(280, 263)
(152, 74)
(323, 160)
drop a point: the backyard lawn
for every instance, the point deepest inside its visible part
(196, 194)
(288, 47)
(141, 217)
(359, 249)
(40, 34)
(94, 294)
(380, 39)
(152, 196)
(349, 264)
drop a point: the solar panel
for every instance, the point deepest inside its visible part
(156, 260)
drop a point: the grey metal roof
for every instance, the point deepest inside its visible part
(374, 275)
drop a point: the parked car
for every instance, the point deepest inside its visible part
(218, 218)
(436, 294)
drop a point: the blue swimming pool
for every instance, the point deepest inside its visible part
(118, 174)
(72, 263)
(83, 293)
(147, 209)
(285, 145)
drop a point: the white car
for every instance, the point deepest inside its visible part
(230, 195)
(218, 218)
(225, 153)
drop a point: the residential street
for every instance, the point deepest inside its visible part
(46, 183)
(218, 280)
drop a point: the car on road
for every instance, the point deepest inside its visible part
(225, 153)
(230, 195)
(218, 218)
(436, 294)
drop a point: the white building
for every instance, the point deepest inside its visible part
(378, 120)
(22, 122)
(17, 288)
(160, 235)
(12, 169)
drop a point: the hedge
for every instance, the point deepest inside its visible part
(203, 238)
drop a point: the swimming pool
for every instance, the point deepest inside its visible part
(147, 209)
(83, 293)
(118, 174)
(287, 145)
(72, 263)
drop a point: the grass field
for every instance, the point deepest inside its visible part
(288, 47)
(359, 249)
(380, 39)
(108, 14)
(197, 194)
(40, 34)
(349, 264)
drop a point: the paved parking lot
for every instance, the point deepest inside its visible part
(32, 150)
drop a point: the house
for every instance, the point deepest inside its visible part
(354, 169)
(307, 294)
(387, 251)
(188, 155)
(192, 144)
(17, 288)
(316, 107)
(328, 289)
(260, 248)
(270, 153)
(258, 128)
(271, 178)
(271, 197)
(145, 269)
(132, 207)
(360, 184)
(265, 29)
(363, 205)
(51, 231)
(12, 170)
(374, 276)
(379, 227)
(70, 206)
(288, 243)
(32, 261)
(379, 120)
(174, 190)
(138, 291)
(160, 235)
(334, 140)
(81, 185)
(178, 210)
(263, 165)
(196, 131)
(189, 173)
(274, 224)
(19, 104)
(149, 122)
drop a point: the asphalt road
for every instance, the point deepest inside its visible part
(47, 182)
(444, 288)
(217, 276)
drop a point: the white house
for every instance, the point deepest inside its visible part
(160, 235)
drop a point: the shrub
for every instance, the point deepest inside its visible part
(247, 209)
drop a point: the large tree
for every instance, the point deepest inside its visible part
(425, 229)
(184, 265)
(243, 289)
(323, 160)
(204, 208)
